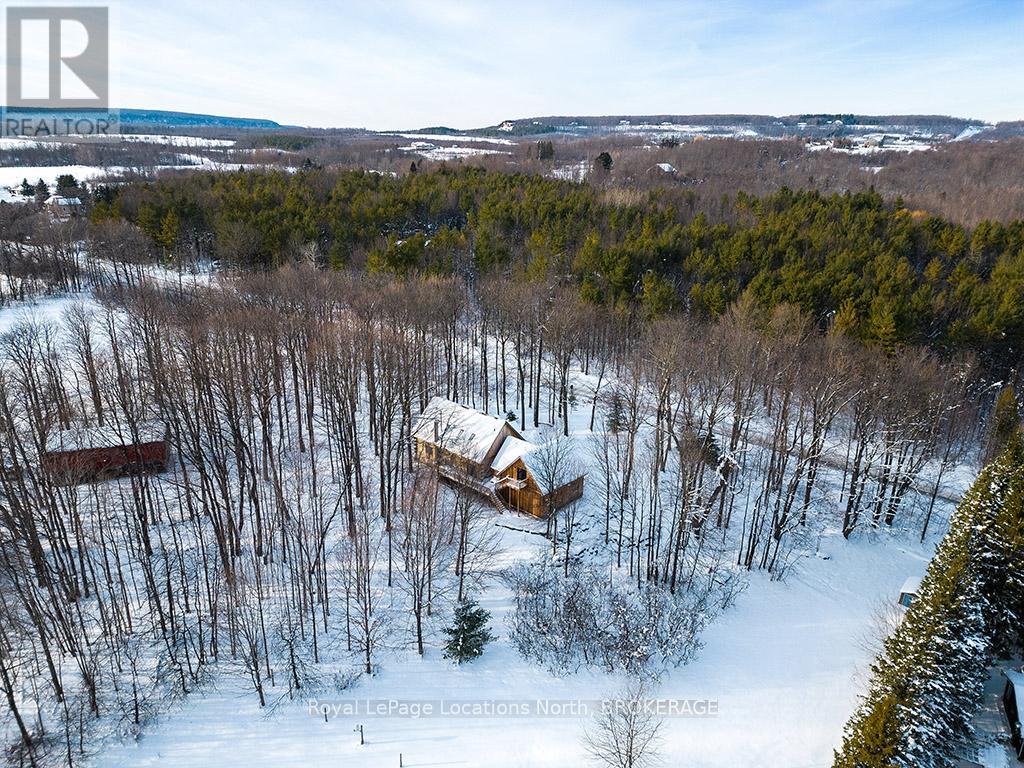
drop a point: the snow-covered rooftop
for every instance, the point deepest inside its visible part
(532, 455)
(911, 586)
(458, 429)
(110, 436)
(61, 200)
(1017, 680)
(513, 448)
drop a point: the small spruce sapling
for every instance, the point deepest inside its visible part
(469, 633)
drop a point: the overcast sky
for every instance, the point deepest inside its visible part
(409, 64)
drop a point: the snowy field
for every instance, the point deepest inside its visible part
(455, 137)
(135, 138)
(785, 666)
(433, 152)
(11, 176)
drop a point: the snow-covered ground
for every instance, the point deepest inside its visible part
(684, 131)
(176, 141)
(785, 666)
(873, 143)
(433, 152)
(47, 310)
(575, 172)
(455, 137)
(14, 142)
(11, 176)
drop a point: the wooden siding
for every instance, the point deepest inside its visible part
(529, 499)
(86, 464)
(430, 454)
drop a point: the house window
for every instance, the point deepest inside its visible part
(520, 473)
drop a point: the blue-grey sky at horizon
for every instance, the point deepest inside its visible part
(409, 64)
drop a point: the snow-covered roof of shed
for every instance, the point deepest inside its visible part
(1017, 679)
(911, 586)
(61, 200)
(458, 429)
(110, 436)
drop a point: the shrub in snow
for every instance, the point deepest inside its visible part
(588, 619)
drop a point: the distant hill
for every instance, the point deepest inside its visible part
(741, 125)
(191, 119)
(160, 118)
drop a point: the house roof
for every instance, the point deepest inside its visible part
(80, 438)
(458, 429)
(59, 200)
(1017, 680)
(513, 448)
(532, 454)
(911, 586)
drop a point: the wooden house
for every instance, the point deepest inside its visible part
(488, 455)
(63, 207)
(82, 455)
(459, 439)
(522, 480)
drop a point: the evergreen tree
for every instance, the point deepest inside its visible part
(468, 634)
(928, 680)
(169, 229)
(42, 191)
(66, 184)
(882, 327)
(148, 220)
(1004, 423)
(604, 162)
(27, 190)
(616, 413)
(846, 321)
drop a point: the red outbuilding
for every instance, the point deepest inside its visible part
(95, 453)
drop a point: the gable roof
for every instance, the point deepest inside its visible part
(458, 429)
(1017, 681)
(912, 586)
(513, 448)
(109, 436)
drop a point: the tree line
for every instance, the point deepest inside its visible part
(927, 683)
(884, 274)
